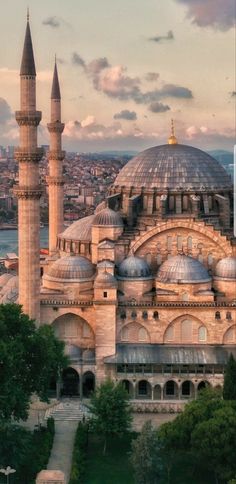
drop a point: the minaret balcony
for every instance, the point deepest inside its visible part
(56, 155)
(56, 127)
(26, 193)
(55, 180)
(24, 156)
(28, 118)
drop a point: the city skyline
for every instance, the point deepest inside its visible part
(126, 70)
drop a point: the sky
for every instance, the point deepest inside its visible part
(126, 68)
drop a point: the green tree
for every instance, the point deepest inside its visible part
(29, 358)
(229, 388)
(145, 456)
(110, 410)
(214, 440)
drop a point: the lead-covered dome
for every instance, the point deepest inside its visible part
(182, 269)
(108, 217)
(71, 268)
(79, 230)
(226, 268)
(134, 267)
(173, 167)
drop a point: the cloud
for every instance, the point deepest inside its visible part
(157, 107)
(219, 14)
(78, 60)
(52, 22)
(233, 93)
(88, 121)
(92, 130)
(152, 76)
(114, 82)
(162, 38)
(5, 111)
(126, 114)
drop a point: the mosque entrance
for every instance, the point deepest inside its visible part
(70, 383)
(88, 384)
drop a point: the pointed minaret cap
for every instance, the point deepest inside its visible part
(27, 62)
(55, 94)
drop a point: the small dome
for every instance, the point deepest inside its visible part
(71, 267)
(108, 217)
(226, 268)
(105, 279)
(105, 264)
(182, 269)
(79, 230)
(134, 267)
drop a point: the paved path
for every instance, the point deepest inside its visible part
(61, 455)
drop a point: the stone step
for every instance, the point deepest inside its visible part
(68, 411)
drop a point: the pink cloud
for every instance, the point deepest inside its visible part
(219, 14)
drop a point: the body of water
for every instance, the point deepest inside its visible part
(9, 240)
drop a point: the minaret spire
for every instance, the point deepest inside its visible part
(28, 191)
(27, 62)
(55, 157)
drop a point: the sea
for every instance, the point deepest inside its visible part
(9, 240)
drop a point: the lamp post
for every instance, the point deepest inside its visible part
(7, 472)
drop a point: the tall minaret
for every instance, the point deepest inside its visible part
(55, 156)
(28, 191)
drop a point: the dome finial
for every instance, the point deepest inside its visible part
(27, 14)
(172, 139)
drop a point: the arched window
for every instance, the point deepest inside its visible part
(170, 388)
(210, 259)
(125, 334)
(217, 315)
(179, 242)
(169, 334)
(156, 315)
(145, 315)
(230, 335)
(228, 315)
(189, 243)
(185, 296)
(202, 334)
(186, 388)
(133, 314)
(123, 314)
(186, 331)
(149, 258)
(142, 335)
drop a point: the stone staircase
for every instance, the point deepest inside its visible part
(68, 410)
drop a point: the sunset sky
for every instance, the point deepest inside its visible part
(126, 68)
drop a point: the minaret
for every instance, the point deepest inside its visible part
(55, 156)
(28, 191)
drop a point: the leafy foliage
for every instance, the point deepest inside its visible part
(145, 456)
(110, 409)
(29, 358)
(229, 389)
(207, 429)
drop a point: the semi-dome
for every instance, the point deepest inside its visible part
(105, 279)
(71, 267)
(134, 267)
(173, 166)
(108, 217)
(79, 230)
(226, 268)
(182, 269)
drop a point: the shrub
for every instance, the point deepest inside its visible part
(79, 458)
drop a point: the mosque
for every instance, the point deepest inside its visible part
(143, 291)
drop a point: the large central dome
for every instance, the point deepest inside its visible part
(173, 167)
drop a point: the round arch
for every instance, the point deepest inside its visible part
(223, 245)
(134, 332)
(187, 389)
(157, 392)
(128, 386)
(88, 383)
(186, 329)
(74, 329)
(202, 385)
(229, 336)
(70, 382)
(171, 390)
(143, 389)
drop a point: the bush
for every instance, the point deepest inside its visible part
(79, 458)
